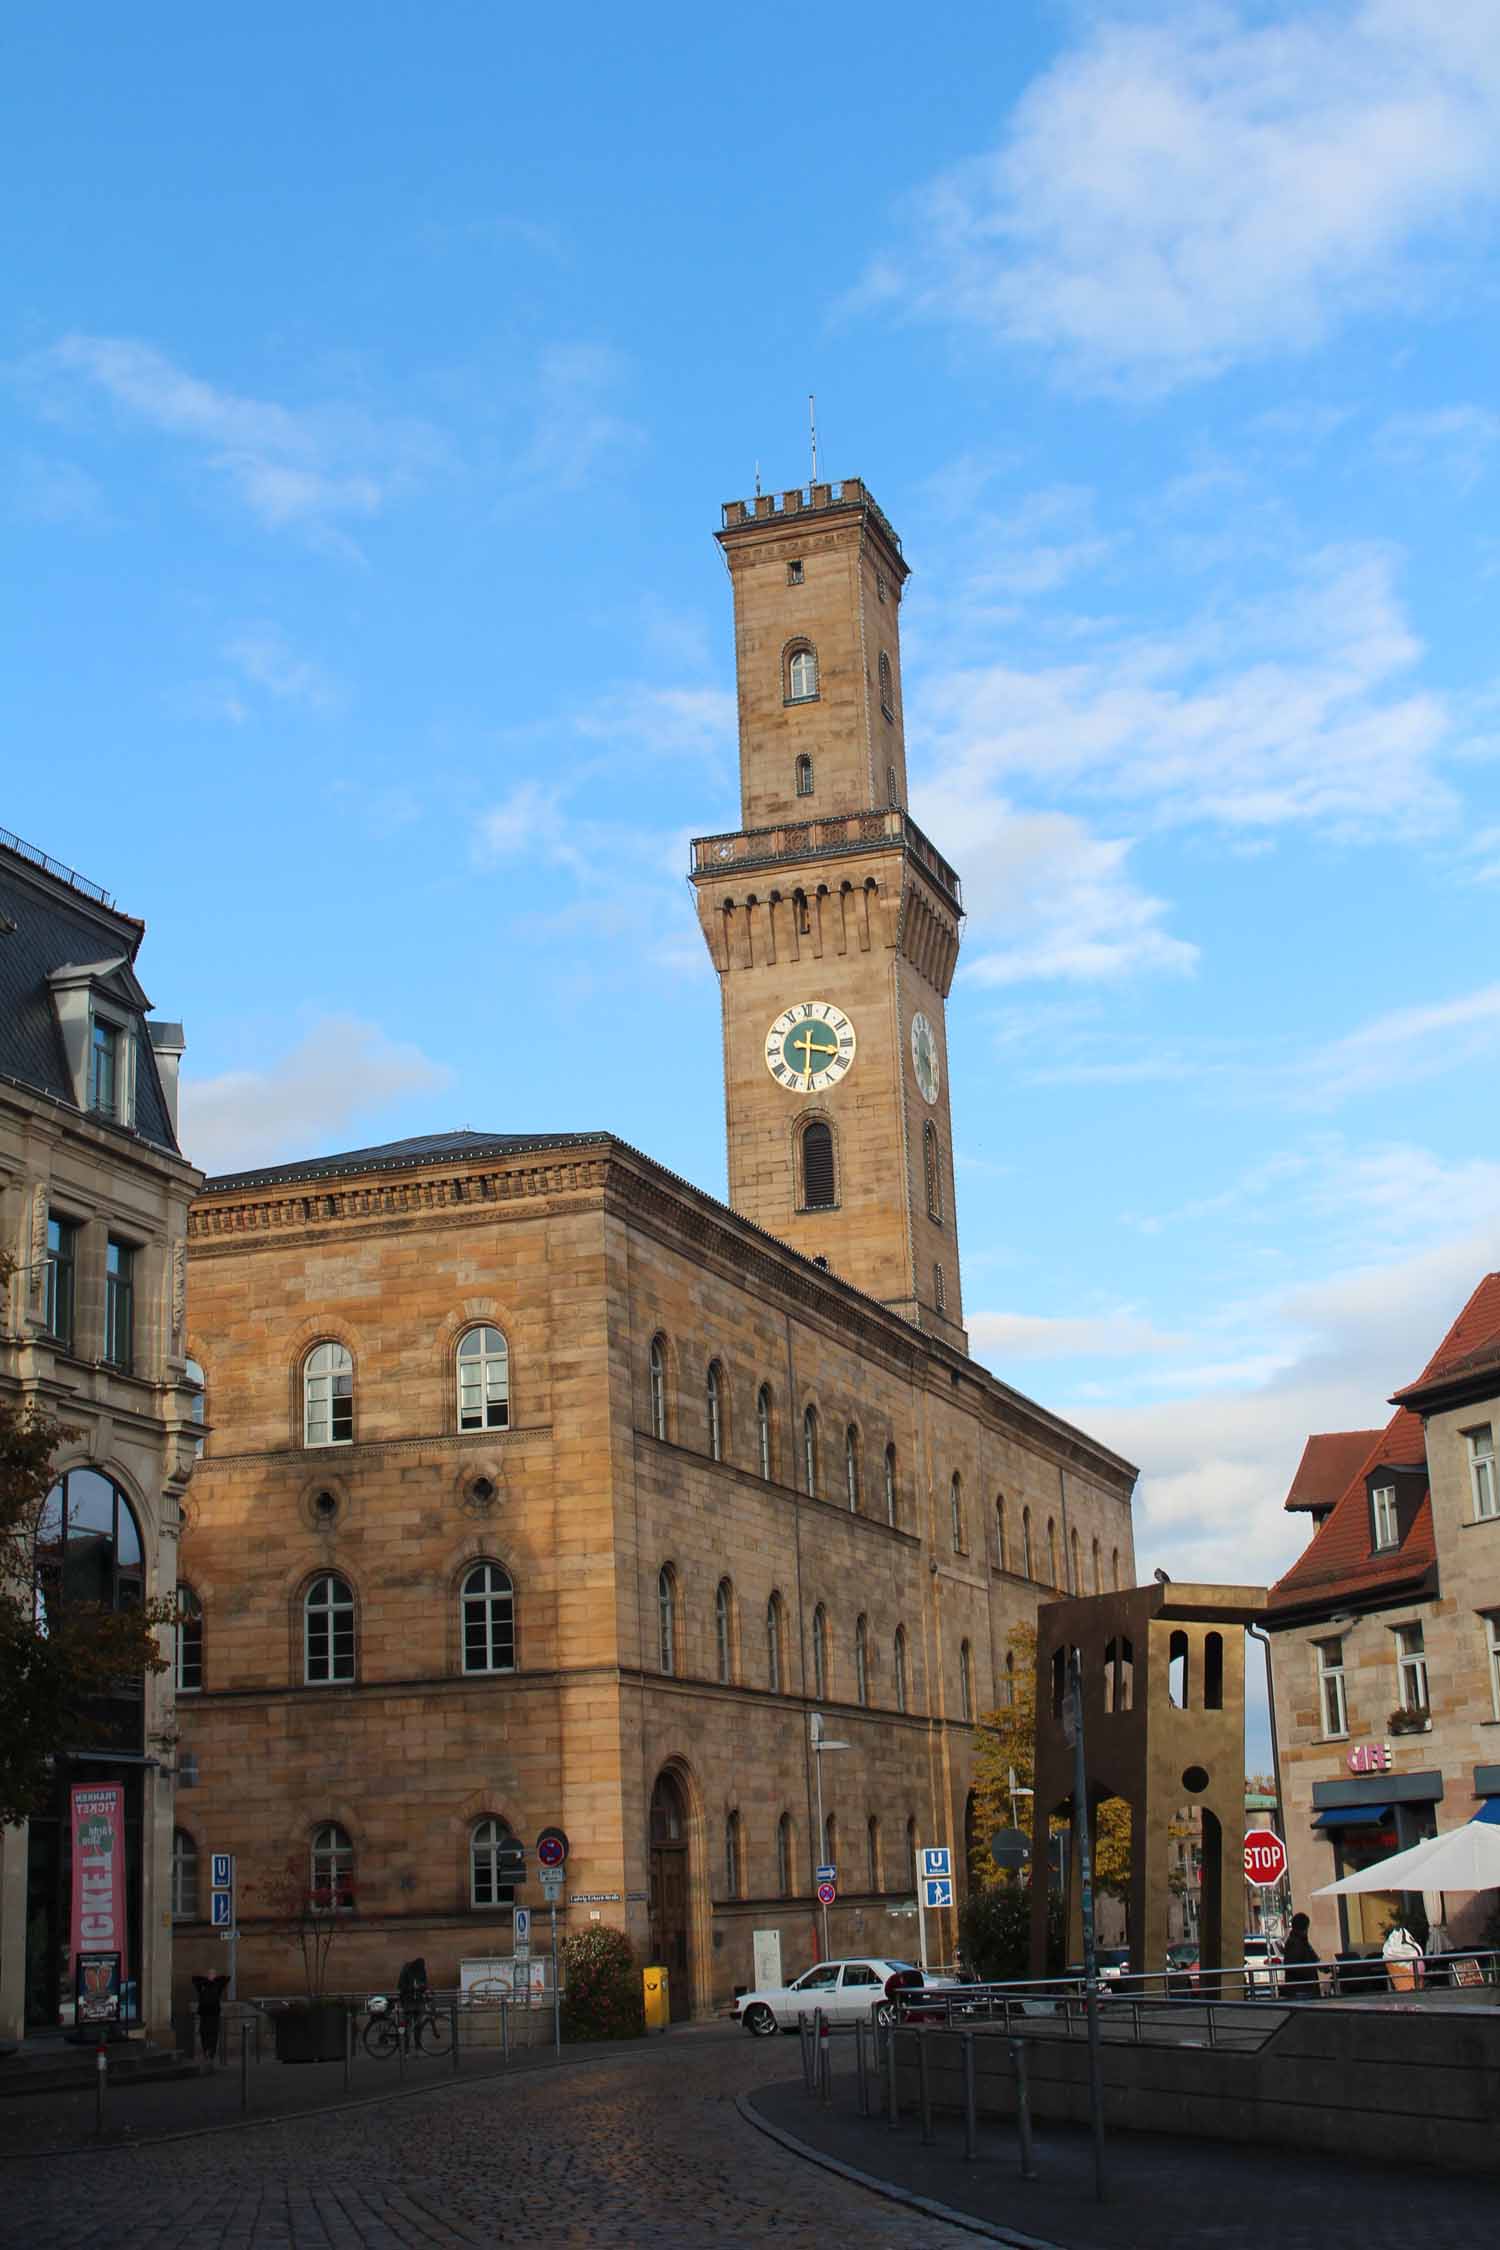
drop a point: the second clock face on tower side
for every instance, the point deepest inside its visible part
(924, 1057)
(810, 1046)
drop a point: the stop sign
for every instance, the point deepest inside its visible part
(1265, 1857)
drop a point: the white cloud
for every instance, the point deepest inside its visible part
(1047, 899)
(1122, 1333)
(315, 468)
(1295, 707)
(1459, 439)
(45, 489)
(262, 656)
(1407, 1044)
(1206, 185)
(328, 1091)
(576, 430)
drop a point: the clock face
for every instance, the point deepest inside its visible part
(924, 1057)
(810, 1047)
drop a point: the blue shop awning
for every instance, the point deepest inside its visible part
(1353, 1816)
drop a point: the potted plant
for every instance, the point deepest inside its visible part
(1409, 1721)
(315, 2028)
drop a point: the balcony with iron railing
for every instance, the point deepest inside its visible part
(835, 834)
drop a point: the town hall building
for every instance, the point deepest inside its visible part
(542, 1488)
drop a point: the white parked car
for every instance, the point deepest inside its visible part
(846, 1991)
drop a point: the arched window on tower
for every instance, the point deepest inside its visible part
(819, 1184)
(658, 1387)
(1028, 1566)
(900, 1668)
(820, 1651)
(773, 1644)
(483, 1380)
(804, 775)
(802, 674)
(861, 1660)
(887, 690)
(1001, 1558)
(956, 1512)
(715, 1401)
(890, 1484)
(724, 1631)
(932, 1168)
(763, 1429)
(810, 1453)
(851, 1468)
(666, 1619)
(965, 1680)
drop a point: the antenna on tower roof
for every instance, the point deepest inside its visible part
(812, 430)
(757, 480)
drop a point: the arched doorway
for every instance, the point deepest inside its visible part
(669, 1889)
(88, 1550)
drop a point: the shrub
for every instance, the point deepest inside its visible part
(602, 1996)
(995, 1932)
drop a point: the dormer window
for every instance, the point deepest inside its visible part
(1383, 1514)
(104, 1068)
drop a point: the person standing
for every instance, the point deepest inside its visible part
(1299, 1963)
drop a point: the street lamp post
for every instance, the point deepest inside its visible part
(820, 1742)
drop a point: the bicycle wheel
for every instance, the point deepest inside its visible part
(382, 2037)
(435, 2033)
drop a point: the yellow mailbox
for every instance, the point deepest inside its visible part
(658, 1984)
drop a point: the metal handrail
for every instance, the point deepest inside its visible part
(1022, 2000)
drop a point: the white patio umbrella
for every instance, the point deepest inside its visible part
(1465, 1859)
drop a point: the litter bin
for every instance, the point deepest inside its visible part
(658, 1985)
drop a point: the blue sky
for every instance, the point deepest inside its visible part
(372, 379)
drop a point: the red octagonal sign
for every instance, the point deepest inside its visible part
(1265, 1857)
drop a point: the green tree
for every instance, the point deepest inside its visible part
(60, 1667)
(602, 1995)
(1005, 1745)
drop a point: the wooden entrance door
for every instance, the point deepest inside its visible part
(669, 1891)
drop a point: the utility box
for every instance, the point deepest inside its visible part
(658, 1988)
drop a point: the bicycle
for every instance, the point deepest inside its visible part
(393, 2026)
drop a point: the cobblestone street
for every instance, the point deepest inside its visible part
(646, 2147)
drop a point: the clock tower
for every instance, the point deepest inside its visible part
(832, 921)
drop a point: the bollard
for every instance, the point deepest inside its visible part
(892, 2112)
(861, 2071)
(505, 2031)
(971, 2119)
(401, 2046)
(101, 2080)
(244, 2066)
(348, 2048)
(924, 2089)
(825, 2068)
(453, 2025)
(1023, 2109)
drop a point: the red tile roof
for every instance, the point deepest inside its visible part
(1337, 1564)
(1471, 1345)
(1328, 1461)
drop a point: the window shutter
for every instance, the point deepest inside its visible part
(817, 1168)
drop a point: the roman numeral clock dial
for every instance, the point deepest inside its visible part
(810, 1047)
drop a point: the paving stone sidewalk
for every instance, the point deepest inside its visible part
(1162, 2191)
(646, 2147)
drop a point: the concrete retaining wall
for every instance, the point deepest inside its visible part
(1406, 2088)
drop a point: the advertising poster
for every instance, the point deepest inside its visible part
(96, 1987)
(99, 1875)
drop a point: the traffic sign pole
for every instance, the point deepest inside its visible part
(1086, 1886)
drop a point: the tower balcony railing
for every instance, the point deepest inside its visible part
(813, 839)
(809, 499)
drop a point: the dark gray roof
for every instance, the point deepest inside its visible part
(57, 925)
(395, 1156)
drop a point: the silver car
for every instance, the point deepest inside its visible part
(846, 1991)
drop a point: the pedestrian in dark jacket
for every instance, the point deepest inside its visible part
(1300, 1962)
(210, 1991)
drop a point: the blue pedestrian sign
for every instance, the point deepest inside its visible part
(936, 1860)
(223, 1909)
(937, 1890)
